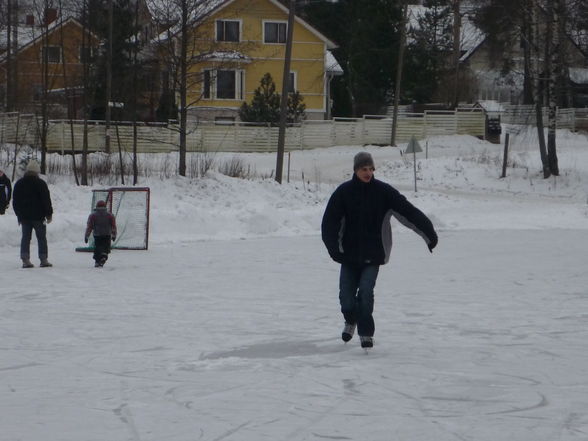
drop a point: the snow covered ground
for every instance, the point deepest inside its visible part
(228, 327)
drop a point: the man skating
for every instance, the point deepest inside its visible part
(357, 233)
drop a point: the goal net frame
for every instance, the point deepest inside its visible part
(114, 205)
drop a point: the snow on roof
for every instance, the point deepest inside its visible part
(227, 56)
(471, 35)
(332, 65)
(28, 34)
(579, 75)
(491, 105)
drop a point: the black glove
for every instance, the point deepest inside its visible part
(432, 244)
(86, 239)
(113, 237)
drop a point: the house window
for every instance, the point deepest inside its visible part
(292, 83)
(274, 32)
(226, 84)
(51, 54)
(223, 84)
(207, 84)
(87, 54)
(227, 30)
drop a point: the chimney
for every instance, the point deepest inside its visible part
(50, 15)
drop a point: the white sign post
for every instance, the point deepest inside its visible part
(414, 147)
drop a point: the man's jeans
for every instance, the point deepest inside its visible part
(25, 243)
(356, 295)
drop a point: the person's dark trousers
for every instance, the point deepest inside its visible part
(25, 242)
(101, 248)
(356, 296)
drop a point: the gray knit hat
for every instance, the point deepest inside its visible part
(362, 159)
(33, 167)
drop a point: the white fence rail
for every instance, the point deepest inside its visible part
(246, 137)
(18, 128)
(572, 119)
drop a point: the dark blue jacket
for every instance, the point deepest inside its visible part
(356, 224)
(31, 199)
(5, 192)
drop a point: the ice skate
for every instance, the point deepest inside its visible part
(348, 331)
(366, 342)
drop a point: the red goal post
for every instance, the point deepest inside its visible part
(130, 206)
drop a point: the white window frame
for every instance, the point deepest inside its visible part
(213, 86)
(278, 22)
(43, 52)
(233, 20)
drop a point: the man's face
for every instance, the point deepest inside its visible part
(365, 174)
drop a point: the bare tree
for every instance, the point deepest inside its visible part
(183, 46)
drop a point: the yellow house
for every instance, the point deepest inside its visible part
(238, 42)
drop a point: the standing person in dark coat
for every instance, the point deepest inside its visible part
(356, 231)
(5, 192)
(31, 201)
(103, 224)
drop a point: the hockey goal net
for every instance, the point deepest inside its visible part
(130, 206)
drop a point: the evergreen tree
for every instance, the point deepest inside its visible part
(123, 45)
(430, 45)
(265, 105)
(367, 33)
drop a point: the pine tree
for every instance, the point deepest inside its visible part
(367, 33)
(265, 105)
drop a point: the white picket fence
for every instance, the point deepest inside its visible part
(247, 137)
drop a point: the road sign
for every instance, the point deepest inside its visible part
(413, 146)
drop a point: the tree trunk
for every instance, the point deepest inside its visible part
(552, 69)
(183, 88)
(45, 95)
(66, 91)
(537, 94)
(85, 75)
(135, 99)
(9, 71)
(528, 97)
(456, 50)
(399, 68)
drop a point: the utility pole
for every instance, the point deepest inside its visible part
(399, 73)
(108, 76)
(285, 86)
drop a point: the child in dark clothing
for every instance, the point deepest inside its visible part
(103, 224)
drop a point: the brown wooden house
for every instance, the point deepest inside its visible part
(47, 67)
